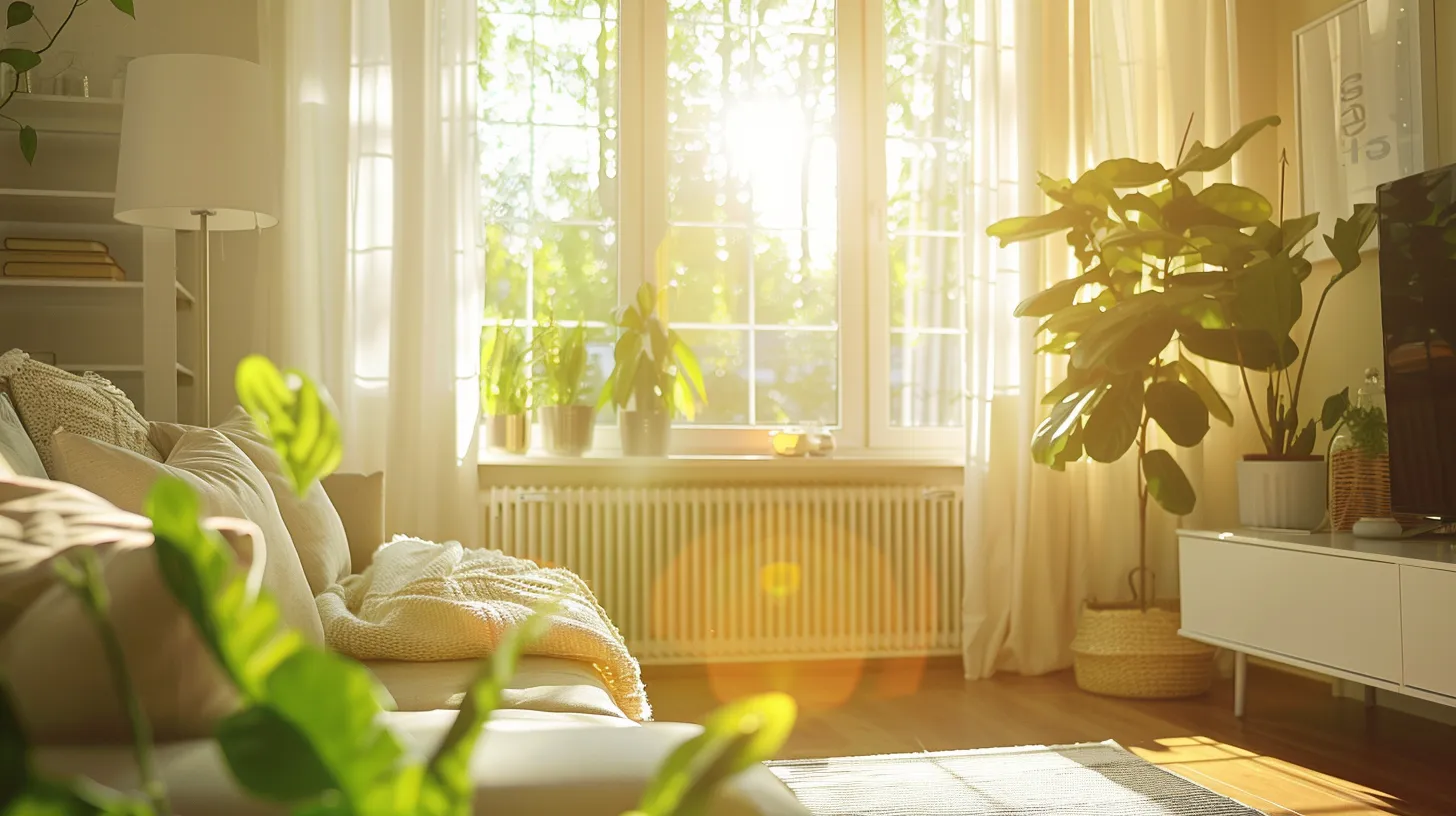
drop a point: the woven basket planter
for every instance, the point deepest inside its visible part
(1122, 651)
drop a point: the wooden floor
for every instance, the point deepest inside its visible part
(1299, 750)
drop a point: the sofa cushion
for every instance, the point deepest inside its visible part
(50, 654)
(227, 483)
(522, 767)
(17, 453)
(48, 398)
(546, 684)
(313, 523)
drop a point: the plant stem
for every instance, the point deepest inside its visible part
(84, 578)
(1265, 435)
(1143, 516)
(1309, 338)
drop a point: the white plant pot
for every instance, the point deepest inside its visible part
(1282, 494)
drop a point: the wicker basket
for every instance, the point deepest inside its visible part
(1122, 651)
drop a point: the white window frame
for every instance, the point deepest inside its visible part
(863, 246)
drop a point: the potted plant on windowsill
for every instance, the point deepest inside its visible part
(1152, 254)
(566, 421)
(655, 373)
(506, 389)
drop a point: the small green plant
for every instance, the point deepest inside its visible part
(654, 370)
(563, 361)
(505, 370)
(308, 733)
(1367, 424)
(24, 60)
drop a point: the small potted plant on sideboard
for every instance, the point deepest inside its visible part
(566, 421)
(655, 373)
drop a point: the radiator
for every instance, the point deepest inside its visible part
(706, 574)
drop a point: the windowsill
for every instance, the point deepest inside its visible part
(612, 459)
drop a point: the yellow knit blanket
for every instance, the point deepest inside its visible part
(424, 601)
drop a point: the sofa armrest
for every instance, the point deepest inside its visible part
(359, 499)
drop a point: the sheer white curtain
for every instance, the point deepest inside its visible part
(374, 282)
(1090, 80)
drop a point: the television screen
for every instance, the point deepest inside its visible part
(1417, 222)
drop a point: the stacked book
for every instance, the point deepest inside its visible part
(58, 258)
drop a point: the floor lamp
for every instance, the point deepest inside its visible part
(196, 154)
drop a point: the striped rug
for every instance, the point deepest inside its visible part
(1094, 779)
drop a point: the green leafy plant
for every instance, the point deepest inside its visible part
(23, 60)
(505, 369)
(1367, 424)
(295, 416)
(654, 370)
(563, 361)
(308, 732)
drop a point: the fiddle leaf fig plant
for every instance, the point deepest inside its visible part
(1153, 254)
(654, 369)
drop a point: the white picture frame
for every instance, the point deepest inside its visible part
(1364, 105)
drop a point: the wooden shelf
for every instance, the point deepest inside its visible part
(185, 298)
(50, 113)
(57, 206)
(75, 283)
(185, 373)
(121, 369)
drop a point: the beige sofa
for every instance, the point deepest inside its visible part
(560, 746)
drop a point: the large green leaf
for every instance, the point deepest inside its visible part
(1202, 159)
(21, 59)
(1075, 319)
(1026, 227)
(1179, 411)
(1223, 245)
(1349, 237)
(295, 415)
(1334, 409)
(738, 735)
(1058, 296)
(1239, 203)
(1129, 173)
(1157, 243)
(1268, 297)
(1113, 425)
(272, 758)
(1051, 437)
(1167, 483)
(1293, 230)
(1132, 332)
(29, 142)
(125, 7)
(1303, 444)
(1257, 350)
(1204, 388)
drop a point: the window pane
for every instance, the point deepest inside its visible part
(753, 205)
(548, 130)
(927, 379)
(929, 57)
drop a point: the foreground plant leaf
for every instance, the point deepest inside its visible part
(294, 414)
(736, 736)
(1167, 483)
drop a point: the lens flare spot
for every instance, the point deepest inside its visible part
(781, 579)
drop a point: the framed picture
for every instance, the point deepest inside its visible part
(1364, 87)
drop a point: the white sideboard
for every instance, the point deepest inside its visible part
(1381, 613)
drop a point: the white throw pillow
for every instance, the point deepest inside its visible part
(17, 452)
(48, 398)
(313, 522)
(51, 657)
(227, 483)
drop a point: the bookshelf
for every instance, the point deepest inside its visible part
(142, 333)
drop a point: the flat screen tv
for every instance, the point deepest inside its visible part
(1417, 222)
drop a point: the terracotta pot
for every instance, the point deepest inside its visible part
(508, 433)
(1284, 494)
(566, 430)
(645, 433)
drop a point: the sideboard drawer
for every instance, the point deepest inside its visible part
(1325, 609)
(1428, 606)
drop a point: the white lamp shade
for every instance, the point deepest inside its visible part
(194, 136)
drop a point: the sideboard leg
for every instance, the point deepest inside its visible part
(1369, 696)
(1241, 681)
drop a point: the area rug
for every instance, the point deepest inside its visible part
(1094, 779)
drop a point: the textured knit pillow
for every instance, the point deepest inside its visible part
(227, 484)
(313, 523)
(50, 655)
(48, 398)
(17, 452)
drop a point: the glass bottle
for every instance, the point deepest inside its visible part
(1359, 469)
(73, 81)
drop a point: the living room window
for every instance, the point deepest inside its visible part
(805, 167)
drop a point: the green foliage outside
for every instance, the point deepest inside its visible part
(1169, 274)
(308, 732)
(563, 362)
(21, 13)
